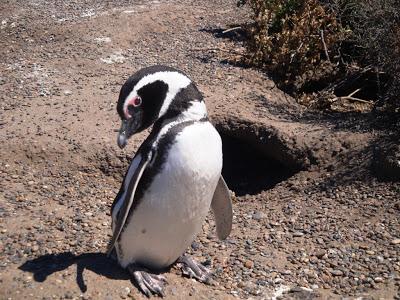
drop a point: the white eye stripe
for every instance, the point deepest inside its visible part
(175, 81)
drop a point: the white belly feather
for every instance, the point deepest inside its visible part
(174, 207)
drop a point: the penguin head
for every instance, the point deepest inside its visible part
(146, 97)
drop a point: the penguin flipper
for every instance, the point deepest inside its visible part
(127, 204)
(221, 206)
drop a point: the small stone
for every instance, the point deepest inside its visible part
(320, 253)
(278, 280)
(370, 252)
(248, 264)
(195, 246)
(125, 292)
(174, 291)
(35, 248)
(67, 92)
(395, 242)
(378, 279)
(85, 296)
(258, 215)
(298, 234)
(336, 273)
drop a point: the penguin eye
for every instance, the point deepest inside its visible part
(137, 101)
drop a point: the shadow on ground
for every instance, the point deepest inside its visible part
(46, 265)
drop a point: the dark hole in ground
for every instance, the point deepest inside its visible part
(247, 170)
(370, 85)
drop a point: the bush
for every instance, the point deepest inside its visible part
(296, 41)
(311, 45)
(375, 40)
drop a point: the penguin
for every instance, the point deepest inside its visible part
(173, 179)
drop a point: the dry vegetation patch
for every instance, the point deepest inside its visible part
(336, 54)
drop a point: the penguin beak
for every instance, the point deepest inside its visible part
(122, 139)
(128, 128)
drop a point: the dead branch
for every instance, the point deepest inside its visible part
(353, 93)
(325, 48)
(294, 54)
(357, 100)
(351, 98)
(231, 29)
(217, 49)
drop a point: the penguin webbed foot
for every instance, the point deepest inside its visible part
(148, 283)
(193, 269)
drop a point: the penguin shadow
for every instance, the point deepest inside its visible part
(44, 266)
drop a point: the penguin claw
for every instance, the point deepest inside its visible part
(193, 269)
(149, 283)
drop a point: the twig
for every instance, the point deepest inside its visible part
(294, 54)
(355, 92)
(325, 48)
(357, 99)
(216, 49)
(231, 29)
(351, 98)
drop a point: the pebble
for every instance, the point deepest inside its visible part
(125, 292)
(395, 242)
(378, 279)
(259, 215)
(336, 272)
(320, 253)
(298, 234)
(278, 280)
(248, 264)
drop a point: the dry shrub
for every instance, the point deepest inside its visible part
(296, 41)
(314, 46)
(375, 41)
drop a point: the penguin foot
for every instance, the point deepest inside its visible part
(194, 269)
(148, 283)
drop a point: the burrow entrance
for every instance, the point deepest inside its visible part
(247, 170)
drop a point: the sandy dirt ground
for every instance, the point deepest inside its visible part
(311, 222)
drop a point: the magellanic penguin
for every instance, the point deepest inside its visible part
(172, 181)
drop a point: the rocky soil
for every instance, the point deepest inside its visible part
(311, 221)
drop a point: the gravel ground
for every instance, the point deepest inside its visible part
(330, 230)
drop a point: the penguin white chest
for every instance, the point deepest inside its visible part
(173, 208)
